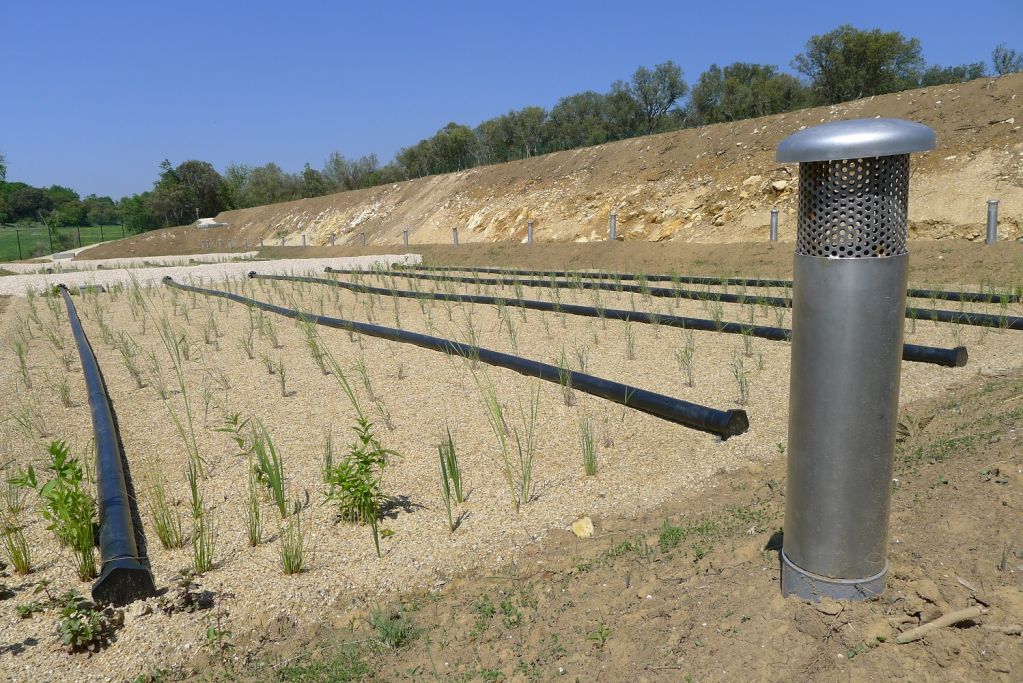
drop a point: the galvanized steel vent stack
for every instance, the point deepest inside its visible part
(848, 312)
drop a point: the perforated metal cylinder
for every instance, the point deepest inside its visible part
(405, 237)
(454, 236)
(362, 238)
(848, 311)
(774, 225)
(992, 221)
(529, 232)
(613, 227)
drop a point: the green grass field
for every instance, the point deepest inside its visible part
(35, 241)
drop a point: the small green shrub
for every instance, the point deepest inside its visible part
(70, 511)
(83, 627)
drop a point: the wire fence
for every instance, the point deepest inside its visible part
(17, 244)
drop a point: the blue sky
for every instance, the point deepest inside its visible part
(95, 94)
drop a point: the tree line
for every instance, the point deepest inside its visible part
(844, 64)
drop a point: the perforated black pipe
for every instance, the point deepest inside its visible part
(123, 578)
(938, 294)
(1008, 322)
(723, 423)
(954, 358)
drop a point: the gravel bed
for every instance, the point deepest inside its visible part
(115, 271)
(67, 266)
(412, 395)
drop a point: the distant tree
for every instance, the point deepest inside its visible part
(742, 91)
(848, 63)
(268, 184)
(135, 213)
(939, 75)
(342, 174)
(3, 168)
(1006, 60)
(313, 184)
(25, 202)
(656, 92)
(235, 177)
(100, 210)
(578, 120)
(205, 189)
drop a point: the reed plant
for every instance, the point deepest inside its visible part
(204, 541)
(741, 375)
(292, 545)
(450, 468)
(588, 446)
(15, 545)
(517, 465)
(268, 465)
(565, 379)
(20, 349)
(684, 357)
(166, 518)
(253, 511)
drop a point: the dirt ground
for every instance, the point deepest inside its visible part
(514, 596)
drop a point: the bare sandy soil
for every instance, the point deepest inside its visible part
(412, 395)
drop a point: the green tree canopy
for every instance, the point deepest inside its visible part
(848, 63)
(742, 91)
(1006, 60)
(655, 92)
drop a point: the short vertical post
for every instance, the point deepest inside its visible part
(992, 221)
(529, 232)
(405, 237)
(17, 236)
(362, 237)
(282, 240)
(49, 233)
(454, 236)
(229, 245)
(303, 239)
(331, 239)
(79, 236)
(774, 225)
(613, 228)
(848, 312)
(102, 237)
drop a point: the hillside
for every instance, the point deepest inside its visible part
(713, 184)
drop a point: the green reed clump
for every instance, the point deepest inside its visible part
(588, 446)
(15, 545)
(166, 518)
(292, 545)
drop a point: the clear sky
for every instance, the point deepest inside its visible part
(94, 95)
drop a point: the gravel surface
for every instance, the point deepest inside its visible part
(120, 271)
(411, 394)
(68, 266)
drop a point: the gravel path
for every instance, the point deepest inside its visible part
(116, 271)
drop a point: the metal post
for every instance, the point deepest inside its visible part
(848, 311)
(405, 236)
(303, 239)
(49, 233)
(17, 236)
(529, 232)
(229, 244)
(454, 236)
(362, 236)
(79, 236)
(102, 237)
(613, 228)
(331, 239)
(992, 221)
(282, 240)
(774, 225)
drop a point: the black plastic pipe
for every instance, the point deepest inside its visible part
(938, 294)
(953, 358)
(723, 423)
(123, 578)
(664, 292)
(1008, 322)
